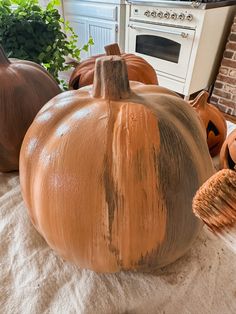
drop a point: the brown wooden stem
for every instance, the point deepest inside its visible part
(112, 50)
(201, 100)
(3, 57)
(111, 78)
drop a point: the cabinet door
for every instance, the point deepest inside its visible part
(79, 25)
(103, 33)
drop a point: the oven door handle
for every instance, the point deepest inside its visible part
(182, 34)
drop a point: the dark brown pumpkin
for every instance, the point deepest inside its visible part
(213, 120)
(108, 172)
(24, 88)
(138, 69)
(228, 152)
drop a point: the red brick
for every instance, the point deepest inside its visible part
(226, 79)
(230, 89)
(232, 37)
(225, 109)
(229, 63)
(232, 73)
(221, 93)
(218, 84)
(228, 54)
(214, 100)
(223, 70)
(233, 29)
(227, 103)
(231, 46)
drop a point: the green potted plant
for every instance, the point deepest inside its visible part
(31, 32)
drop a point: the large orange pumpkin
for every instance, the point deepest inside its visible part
(228, 152)
(213, 120)
(108, 172)
(24, 88)
(138, 69)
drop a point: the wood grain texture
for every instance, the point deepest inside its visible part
(138, 69)
(109, 183)
(215, 202)
(213, 120)
(25, 87)
(112, 49)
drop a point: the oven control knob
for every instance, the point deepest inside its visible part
(174, 16)
(189, 17)
(167, 15)
(147, 13)
(160, 14)
(153, 14)
(181, 16)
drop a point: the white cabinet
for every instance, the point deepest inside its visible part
(80, 27)
(104, 22)
(103, 33)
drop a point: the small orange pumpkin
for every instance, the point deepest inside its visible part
(138, 69)
(108, 172)
(25, 87)
(213, 120)
(228, 152)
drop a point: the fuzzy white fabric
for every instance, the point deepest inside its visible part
(34, 280)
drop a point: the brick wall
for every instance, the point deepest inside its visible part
(224, 92)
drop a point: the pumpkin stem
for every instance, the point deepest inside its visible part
(3, 57)
(111, 78)
(201, 100)
(112, 49)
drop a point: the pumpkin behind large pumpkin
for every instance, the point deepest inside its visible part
(25, 87)
(108, 173)
(138, 69)
(213, 121)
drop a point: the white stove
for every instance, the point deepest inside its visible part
(183, 41)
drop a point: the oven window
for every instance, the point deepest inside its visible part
(158, 47)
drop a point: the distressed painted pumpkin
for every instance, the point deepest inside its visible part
(213, 120)
(108, 172)
(24, 88)
(228, 152)
(138, 69)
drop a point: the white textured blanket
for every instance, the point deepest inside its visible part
(35, 280)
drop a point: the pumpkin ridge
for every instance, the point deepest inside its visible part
(44, 139)
(172, 198)
(111, 192)
(186, 129)
(52, 220)
(125, 152)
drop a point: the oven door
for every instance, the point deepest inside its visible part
(166, 48)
